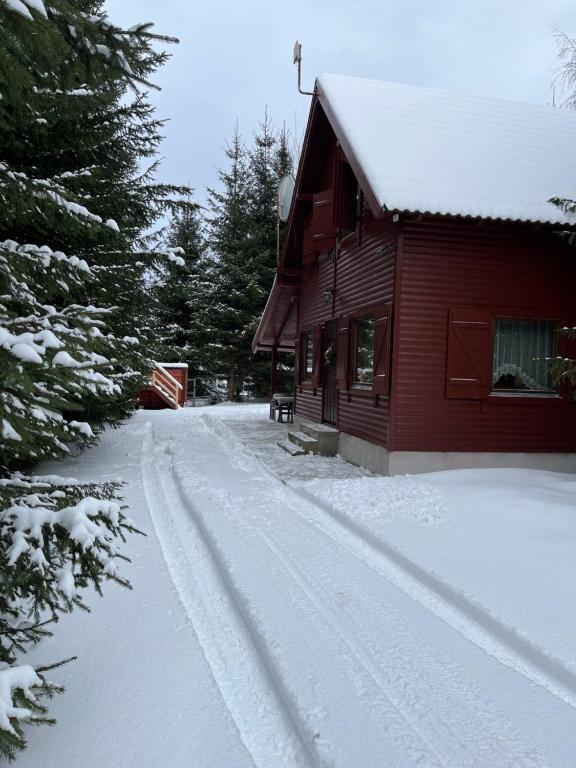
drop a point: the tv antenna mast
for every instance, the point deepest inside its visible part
(298, 62)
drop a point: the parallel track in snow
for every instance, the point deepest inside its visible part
(259, 569)
(244, 672)
(460, 611)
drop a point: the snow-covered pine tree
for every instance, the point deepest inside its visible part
(234, 290)
(183, 293)
(96, 145)
(242, 236)
(270, 161)
(72, 204)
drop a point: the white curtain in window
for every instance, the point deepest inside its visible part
(521, 352)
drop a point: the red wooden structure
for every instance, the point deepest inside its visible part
(399, 318)
(167, 387)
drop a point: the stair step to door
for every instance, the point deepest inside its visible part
(291, 448)
(308, 443)
(326, 437)
(318, 429)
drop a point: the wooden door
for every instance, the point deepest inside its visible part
(329, 393)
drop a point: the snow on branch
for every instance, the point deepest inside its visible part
(57, 537)
(23, 678)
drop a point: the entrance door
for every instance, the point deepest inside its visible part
(329, 394)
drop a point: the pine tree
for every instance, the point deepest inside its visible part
(271, 160)
(83, 145)
(243, 239)
(183, 293)
(234, 289)
(75, 318)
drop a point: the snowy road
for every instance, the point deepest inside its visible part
(303, 639)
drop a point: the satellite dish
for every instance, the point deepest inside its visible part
(285, 192)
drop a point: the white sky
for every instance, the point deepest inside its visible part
(235, 58)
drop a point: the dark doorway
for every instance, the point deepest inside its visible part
(329, 394)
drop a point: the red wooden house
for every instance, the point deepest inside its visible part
(424, 275)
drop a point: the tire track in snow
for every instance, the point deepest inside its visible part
(401, 689)
(480, 738)
(458, 610)
(260, 706)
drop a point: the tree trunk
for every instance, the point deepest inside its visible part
(232, 384)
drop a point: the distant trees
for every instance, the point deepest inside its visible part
(212, 305)
(77, 319)
(183, 291)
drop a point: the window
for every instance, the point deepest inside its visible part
(522, 349)
(364, 352)
(308, 350)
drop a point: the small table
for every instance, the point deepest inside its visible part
(283, 404)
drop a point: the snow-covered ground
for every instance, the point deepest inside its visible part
(297, 611)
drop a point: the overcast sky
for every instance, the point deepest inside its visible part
(235, 58)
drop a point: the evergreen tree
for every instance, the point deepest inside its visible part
(183, 294)
(242, 231)
(268, 168)
(75, 308)
(81, 149)
(234, 289)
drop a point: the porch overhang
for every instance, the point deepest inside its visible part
(277, 327)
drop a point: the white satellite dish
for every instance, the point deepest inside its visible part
(285, 192)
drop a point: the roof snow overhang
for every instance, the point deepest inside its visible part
(433, 152)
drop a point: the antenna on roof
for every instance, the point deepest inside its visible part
(298, 62)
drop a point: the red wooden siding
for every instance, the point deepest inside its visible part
(361, 276)
(309, 405)
(493, 270)
(365, 278)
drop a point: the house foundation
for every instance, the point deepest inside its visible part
(382, 462)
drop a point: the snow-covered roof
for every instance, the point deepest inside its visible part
(438, 152)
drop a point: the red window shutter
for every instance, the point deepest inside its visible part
(469, 358)
(297, 362)
(317, 358)
(323, 232)
(343, 354)
(347, 190)
(382, 346)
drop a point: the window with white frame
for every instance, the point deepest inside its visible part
(522, 352)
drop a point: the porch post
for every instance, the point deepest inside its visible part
(274, 372)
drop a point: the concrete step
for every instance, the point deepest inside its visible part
(308, 443)
(327, 437)
(318, 429)
(291, 448)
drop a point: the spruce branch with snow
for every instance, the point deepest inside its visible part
(57, 538)
(76, 322)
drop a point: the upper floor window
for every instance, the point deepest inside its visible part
(364, 351)
(521, 355)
